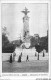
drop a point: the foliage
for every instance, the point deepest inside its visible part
(40, 44)
(8, 47)
(33, 42)
(44, 43)
(5, 40)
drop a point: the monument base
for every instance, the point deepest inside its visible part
(25, 45)
(24, 53)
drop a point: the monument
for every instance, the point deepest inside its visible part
(26, 35)
(25, 46)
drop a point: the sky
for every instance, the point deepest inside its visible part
(12, 18)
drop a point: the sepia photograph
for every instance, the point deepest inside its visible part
(25, 36)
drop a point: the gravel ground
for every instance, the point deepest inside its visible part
(32, 66)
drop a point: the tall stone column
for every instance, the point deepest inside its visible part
(25, 25)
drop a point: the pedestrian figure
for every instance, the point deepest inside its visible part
(11, 58)
(43, 54)
(19, 59)
(27, 58)
(38, 56)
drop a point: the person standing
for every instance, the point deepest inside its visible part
(10, 58)
(19, 59)
(38, 56)
(27, 59)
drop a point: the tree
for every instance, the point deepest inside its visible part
(38, 48)
(5, 40)
(44, 43)
(33, 41)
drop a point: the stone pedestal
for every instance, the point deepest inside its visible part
(25, 52)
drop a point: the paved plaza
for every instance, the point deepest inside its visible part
(30, 66)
